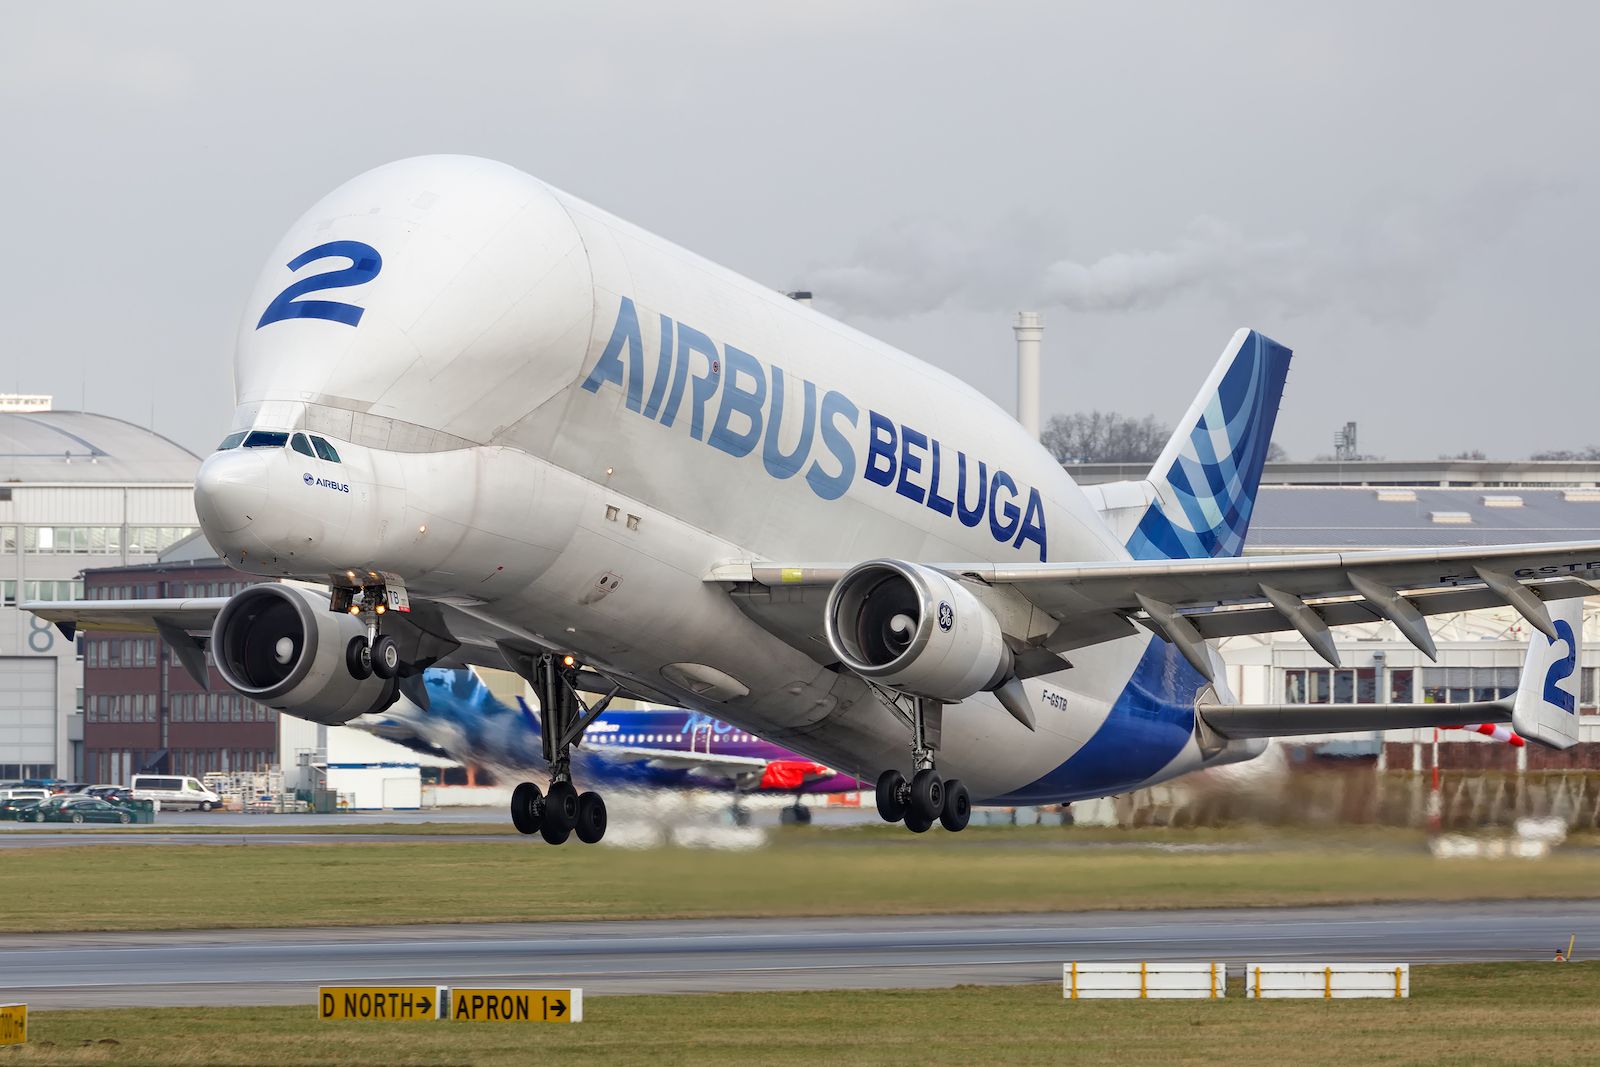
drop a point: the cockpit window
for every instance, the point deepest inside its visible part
(299, 443)
(231, 441)
(266, 439)
(325, 450)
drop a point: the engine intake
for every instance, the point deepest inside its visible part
(281, 646)
(916, 629)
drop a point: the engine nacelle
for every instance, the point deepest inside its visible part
(279, 645)
(916, 629)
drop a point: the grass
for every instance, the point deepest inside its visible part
(361, 882)
(1464, 1014)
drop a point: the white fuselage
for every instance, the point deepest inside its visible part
(555, 424)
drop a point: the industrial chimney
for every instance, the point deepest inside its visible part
(1030, 333)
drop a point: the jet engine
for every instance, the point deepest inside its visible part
(281, 646)
(917, 630)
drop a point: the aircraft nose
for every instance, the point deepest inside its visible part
(230, 490)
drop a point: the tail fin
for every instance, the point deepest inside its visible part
(1206, 478)
(1546, 708)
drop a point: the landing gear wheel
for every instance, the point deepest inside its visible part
(527, 808)
(386, 657)
(927, 795)
(591, 818)
(795, 815)
(917, 823)
(891, 796)
(358, 658)
(560, 812)
(741, 816)
(957, 806)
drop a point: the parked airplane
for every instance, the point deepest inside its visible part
(657, 748)
(504, 427)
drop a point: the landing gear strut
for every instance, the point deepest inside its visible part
(555, 814)
(926, 798)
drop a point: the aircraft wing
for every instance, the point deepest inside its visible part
(1048, 608)
(706, 763)
(191, 615)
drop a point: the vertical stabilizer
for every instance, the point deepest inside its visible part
(1206, 478)
(1546, 708)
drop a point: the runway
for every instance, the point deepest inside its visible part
(223, 967)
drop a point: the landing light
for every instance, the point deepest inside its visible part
(380, 609)
(355, 610)
(423, 528)
(568, 661)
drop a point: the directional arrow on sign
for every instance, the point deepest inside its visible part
(427, 1004)
(559, 1007)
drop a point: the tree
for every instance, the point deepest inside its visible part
(1474, 455)
(1104, 437)
(1582, 455)
(1276, 453)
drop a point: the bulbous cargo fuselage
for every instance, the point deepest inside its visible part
(544, 414)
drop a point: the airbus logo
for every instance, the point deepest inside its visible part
(311, 479)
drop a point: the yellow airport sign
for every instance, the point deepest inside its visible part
(13, 1024)
(399, 1003)
(517, 1005)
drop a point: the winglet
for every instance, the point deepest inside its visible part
(1546, 708)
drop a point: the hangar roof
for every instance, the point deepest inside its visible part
(77, 446)
(1294, 518)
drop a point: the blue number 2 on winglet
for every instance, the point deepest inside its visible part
(1561, 668)
(365, 263)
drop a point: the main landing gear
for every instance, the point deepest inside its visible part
(555, 814)
(926, 798)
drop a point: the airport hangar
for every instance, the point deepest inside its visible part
(77, 490)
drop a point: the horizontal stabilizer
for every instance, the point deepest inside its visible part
(1295, 720)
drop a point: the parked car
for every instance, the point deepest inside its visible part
(17, 810)
(102, 788)
(70, 808)
(111, 794)
(25, 792)
(174, 791)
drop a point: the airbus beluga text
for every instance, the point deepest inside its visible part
(499, 426)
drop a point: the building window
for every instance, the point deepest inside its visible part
(1461, 685)
(148, 540)
(1324, 685)
(72, 540)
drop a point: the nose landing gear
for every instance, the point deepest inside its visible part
(375, 653)
(560, 811)
(926, 798)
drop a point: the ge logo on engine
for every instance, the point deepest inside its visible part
(947, 615)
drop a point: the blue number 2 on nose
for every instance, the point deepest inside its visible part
(365, 263)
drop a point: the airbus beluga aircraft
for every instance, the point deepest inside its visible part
(499, 426)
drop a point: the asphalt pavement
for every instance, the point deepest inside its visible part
(222, 967)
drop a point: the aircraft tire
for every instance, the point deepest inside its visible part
(591, 818)
(386, 657)
(358, 658)
(553, 833)
(917, 823)
(927, 795)
(957, 810)
(561, 806)
(891, 793)
(526, 802)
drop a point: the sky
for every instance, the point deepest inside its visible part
(1402, 193)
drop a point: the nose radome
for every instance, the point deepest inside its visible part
(230, 491)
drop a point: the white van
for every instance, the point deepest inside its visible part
(25, 792)
(173, 792)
